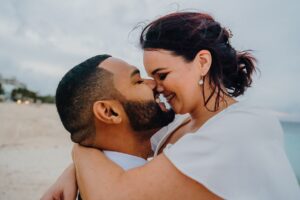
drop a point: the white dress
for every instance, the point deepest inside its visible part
(237, 154)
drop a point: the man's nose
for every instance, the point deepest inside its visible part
(151, 83)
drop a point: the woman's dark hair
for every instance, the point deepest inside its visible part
(186, 33)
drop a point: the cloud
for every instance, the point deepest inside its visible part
(42, 68)
(41, 40)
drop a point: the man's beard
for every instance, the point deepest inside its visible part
(147, 115)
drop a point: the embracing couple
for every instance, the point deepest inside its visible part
(207, 146)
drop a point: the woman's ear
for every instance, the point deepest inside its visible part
(203, 59)
(107, 112)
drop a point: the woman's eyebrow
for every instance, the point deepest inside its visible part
(157, 70)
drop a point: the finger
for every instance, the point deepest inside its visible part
(70, 195)
(49, 196)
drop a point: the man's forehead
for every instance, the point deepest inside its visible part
(117, 66)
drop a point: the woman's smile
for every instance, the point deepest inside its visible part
(169, 97)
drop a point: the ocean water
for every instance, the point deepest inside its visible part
(292, 144)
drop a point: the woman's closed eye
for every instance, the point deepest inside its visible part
(162, 76)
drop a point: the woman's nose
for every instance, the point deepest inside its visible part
(159, 88)
(151, 83)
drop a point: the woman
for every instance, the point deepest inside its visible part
(230, 148)
(222, 149)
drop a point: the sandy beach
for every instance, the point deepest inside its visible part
(34, 150)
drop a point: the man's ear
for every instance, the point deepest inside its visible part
(203, 60)
(107, 112)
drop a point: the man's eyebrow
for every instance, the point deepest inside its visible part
(136, 71)
(156, 70)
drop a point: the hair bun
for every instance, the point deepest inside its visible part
(246, 65)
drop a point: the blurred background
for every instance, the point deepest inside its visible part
(41, 40)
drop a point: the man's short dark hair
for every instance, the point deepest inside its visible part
(76, 93)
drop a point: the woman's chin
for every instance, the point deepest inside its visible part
(179, 109)
(176, 109)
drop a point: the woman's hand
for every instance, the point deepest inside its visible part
(65, 188)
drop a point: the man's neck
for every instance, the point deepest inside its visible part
(141, 145)
(126, 141)
(140, 148)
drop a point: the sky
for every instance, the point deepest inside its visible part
(40, 40)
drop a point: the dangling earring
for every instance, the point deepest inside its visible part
(200, 81)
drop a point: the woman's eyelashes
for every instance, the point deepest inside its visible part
(162, 76)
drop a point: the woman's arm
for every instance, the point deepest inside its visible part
(100, 178)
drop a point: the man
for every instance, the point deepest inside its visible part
(105, 104)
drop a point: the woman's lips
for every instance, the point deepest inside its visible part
(169, 97)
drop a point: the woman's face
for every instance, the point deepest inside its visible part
(176, 79)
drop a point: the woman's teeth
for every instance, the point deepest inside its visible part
(160, 102)
(169, 97)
